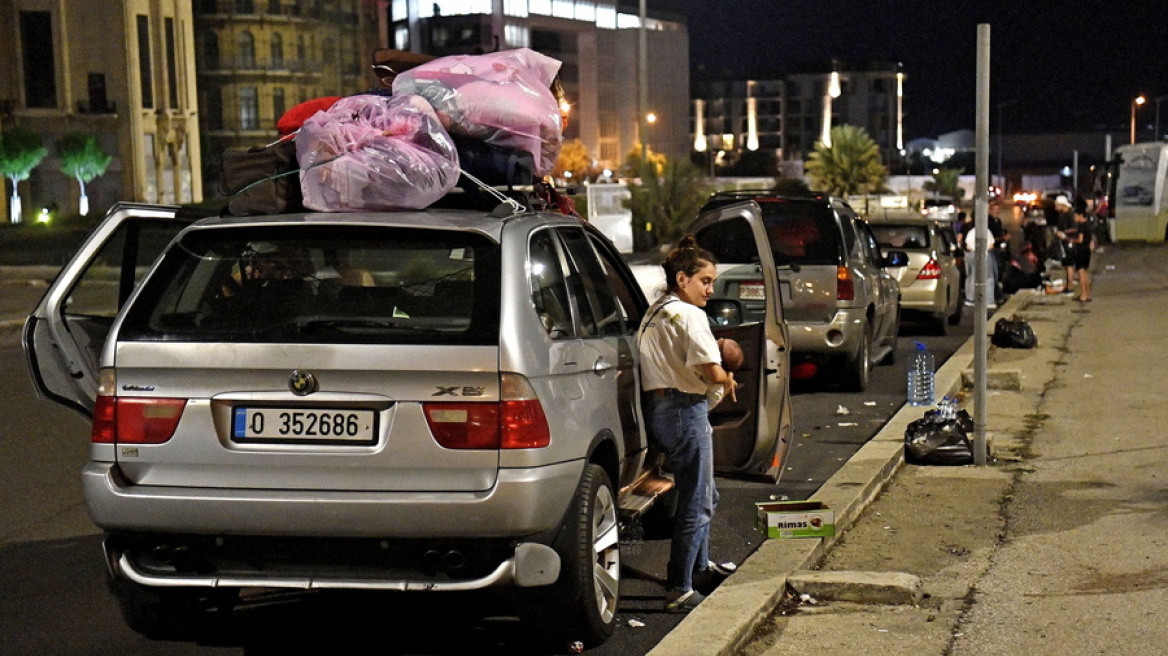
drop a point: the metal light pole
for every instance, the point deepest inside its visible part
(981, 250)
(1139, 100)
(1158, 136)
(643, 87)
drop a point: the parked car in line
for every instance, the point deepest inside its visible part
(939, 208)
(930, 283)
(434, 400)
(840, 303)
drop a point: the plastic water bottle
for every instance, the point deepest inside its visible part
(920, 376)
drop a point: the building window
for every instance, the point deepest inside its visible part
(36, 40)
(274, 6)
(277, 51)
(244, 7)
(301, 51)
(98, 100)
(212, 110)
(171, 65)
(249, 109)
(144, 65)
(211, 50)
(279, 105)
(207, 6)
(245, 43)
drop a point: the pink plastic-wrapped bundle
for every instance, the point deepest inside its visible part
(372, 152)
(503, 98)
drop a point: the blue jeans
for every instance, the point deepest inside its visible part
(680, 424)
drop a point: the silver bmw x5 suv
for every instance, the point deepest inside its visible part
(433, 401)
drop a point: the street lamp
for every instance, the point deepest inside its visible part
(1139, 100)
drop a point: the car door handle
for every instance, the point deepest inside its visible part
(601, 367)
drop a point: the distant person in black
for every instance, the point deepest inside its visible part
(1080, 239)
(1065, 222)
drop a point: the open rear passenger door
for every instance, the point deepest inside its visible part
(64, 336)
(752, 435)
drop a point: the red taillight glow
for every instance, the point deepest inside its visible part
(845, 287)
(931, 271)
(515, 422)
(135, 420)
(503, 425)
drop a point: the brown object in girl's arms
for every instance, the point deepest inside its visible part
(732, 357)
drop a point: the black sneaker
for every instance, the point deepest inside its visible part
(708, 579)
(683, 602)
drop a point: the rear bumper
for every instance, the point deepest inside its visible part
(926, 296)
(522, 502)
(840, 336)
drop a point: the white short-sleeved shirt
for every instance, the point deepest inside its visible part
(675, 341)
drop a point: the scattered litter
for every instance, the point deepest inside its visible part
(888, 528)
(882, 630)
(807, 599)
(779, 497)
(840, 410)
(844, 424)
(870, 403)
(1109, 267)
(636, 624)
(576, 647)
(1087, 376)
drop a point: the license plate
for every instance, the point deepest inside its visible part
(751, 291)
(332, 426)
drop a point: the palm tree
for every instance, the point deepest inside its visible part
(663, 205)
(83, 159)
(944, 182)
(20, 152)
(851, 165)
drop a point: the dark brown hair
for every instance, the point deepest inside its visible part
(688, 258)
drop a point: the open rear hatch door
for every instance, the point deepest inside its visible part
(63, 338)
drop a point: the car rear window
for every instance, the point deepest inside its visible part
(900, 236)
(322, 284)
(801, 232)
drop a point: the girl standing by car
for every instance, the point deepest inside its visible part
(680, 366)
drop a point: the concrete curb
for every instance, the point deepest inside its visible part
(725, 621)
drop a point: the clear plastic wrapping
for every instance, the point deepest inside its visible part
(370, 152)
(503, 98)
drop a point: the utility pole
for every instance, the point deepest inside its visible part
(643, 85)
(981, 226)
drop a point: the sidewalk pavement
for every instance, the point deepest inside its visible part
(1018, 381)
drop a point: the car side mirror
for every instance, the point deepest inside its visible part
(724, 312)
(895, 259)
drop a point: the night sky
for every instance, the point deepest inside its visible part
(1055, 66)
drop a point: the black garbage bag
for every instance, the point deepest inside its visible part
(1013, 333)
(935, 440)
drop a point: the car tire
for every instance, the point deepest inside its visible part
(955, 318)
(582, 604)
(857, 370)
(939, 325)
(174, 613)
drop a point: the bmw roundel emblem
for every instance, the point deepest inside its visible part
(302, 383)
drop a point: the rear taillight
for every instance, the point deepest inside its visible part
(845, 286)
(930, 271)
(132, 420)
(516, 421)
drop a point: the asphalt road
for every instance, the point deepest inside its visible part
(52, 596)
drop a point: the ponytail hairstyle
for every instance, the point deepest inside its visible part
(688, 258)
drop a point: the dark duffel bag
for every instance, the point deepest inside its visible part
(262, 180)
(494, 165)
(1013, 333)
